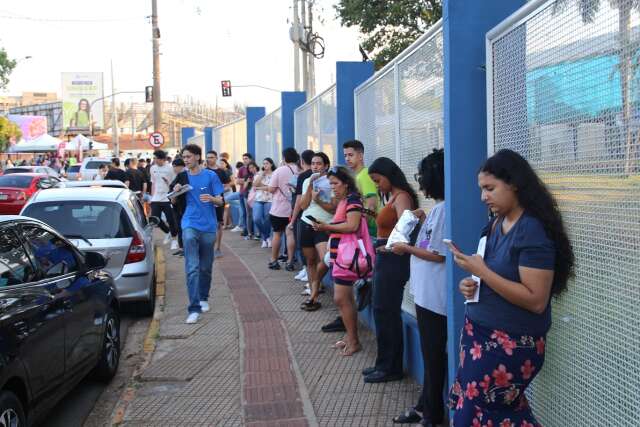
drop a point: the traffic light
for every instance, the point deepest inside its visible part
(148, 93)
(226, 87)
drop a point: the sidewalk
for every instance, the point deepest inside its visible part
(256, 359)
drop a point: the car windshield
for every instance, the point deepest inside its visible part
(89, 219)
(15, 181)
(17, 170)
(95, 164)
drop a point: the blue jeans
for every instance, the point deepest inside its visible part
(237, 213)
(198, 265)
(261, 218)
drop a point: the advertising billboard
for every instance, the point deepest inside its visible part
(81, 112)
(32, 127)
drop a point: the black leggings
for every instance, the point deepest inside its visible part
(157, 208)
(433, 342)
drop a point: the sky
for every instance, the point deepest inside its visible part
(202, 43)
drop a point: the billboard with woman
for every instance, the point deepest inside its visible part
(80, 108)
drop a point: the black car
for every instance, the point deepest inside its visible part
(59, 319)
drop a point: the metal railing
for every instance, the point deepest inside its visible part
(269, 137)
(231, 138)
(316, 124)
(399, 111)
(563, 90)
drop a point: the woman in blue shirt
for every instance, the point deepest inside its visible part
(528, 258)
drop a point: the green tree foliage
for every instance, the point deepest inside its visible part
(8, 130)
(6, 67)
(388, 26)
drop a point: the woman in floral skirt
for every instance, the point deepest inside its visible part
(528, 258)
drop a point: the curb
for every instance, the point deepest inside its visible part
(149, 344)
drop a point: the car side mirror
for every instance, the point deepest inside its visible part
(94, 260)
(153, 221)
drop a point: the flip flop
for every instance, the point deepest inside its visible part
(339, 344)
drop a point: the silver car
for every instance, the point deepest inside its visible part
(110, 221)
(95, 183)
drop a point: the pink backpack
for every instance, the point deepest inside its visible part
(355, 257)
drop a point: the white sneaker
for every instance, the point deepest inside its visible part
(307, 291)
(167, 239)
(174, 245)
(193, 318)
(303, 277)
(264, 244)
(204, 305)
(269, 243)
(301, 273)
(237, 229)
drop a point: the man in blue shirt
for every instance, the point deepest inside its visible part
(199, 226)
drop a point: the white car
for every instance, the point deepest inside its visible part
(110, 221)
(90, 165)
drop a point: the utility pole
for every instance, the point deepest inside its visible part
(296, 49)
(312, 72)
(114, 118)
(155, 37)
(305, 62)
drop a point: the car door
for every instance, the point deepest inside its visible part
(32, 313)
(61, 264)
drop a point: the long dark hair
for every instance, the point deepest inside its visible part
(386, 167)
(431, 175)
(345, 177)
(534, 197)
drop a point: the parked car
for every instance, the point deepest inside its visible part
(96, 183)
(59, 319)
(16, 189)
(90, 166)
(73, 172)
(44, 170)
(110, 221)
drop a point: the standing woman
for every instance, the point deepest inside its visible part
(391, 271)
(528, 258)
(262, 204)
(252, 170)
(345, 221)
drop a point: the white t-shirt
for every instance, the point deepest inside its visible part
(161, 177)
(429, 279)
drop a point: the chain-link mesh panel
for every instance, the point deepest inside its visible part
(375, 124)
(276, 131)
(566, 86)
(328, 120)
(269, 137)
(231, 138)
(262, 139)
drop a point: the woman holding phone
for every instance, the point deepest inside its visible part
(528, 258)
(263, 199)
(391, 271)
(345, 221)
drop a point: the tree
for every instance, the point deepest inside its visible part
(8, 130)
(6, 67)
(388, 26)
(627, 65)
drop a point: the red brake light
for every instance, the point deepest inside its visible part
(137, 251)
(21, 196)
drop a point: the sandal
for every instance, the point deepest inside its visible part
(310, 305)
(409, 417)
(348, 351)
(339, 344)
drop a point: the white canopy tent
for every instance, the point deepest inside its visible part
(83, 141)
(43, 143)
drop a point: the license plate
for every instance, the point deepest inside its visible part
(4, 196)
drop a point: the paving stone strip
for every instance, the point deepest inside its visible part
(270, 393)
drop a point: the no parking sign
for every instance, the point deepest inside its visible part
(156, 139)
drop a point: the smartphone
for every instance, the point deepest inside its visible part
(452, 246)
(311, 218)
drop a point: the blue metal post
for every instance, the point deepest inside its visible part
(349, 75)
(185, 134)
(208, 139)
(253, 115)
(465, 135)
(290, 101)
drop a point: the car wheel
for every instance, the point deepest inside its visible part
(110, 353)
(11, 411)
(146, 308)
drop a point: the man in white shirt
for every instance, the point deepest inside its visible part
(161, 177)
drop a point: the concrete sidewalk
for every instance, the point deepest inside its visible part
(256, 359)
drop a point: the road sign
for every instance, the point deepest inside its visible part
(226, 87)
(156, 139)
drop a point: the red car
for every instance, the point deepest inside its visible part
(17, 188)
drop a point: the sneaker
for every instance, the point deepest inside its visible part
(237, 229)
(290, 266)
(217, 253)
(274, 265)
(246, 237)
(244, 234)
(307, 291)
(174, 245)
(302, 273)
(204, 305)
(269, 242)
(192, 318)
(179, 252)
(264, 244)
(335, 326)
(282, 258)
(167, 239)
(257, 238)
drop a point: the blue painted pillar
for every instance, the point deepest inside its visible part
(208, 139)
(185, 134)
(465, 24)
(349, 75)
(253, 115)
(290, 101)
